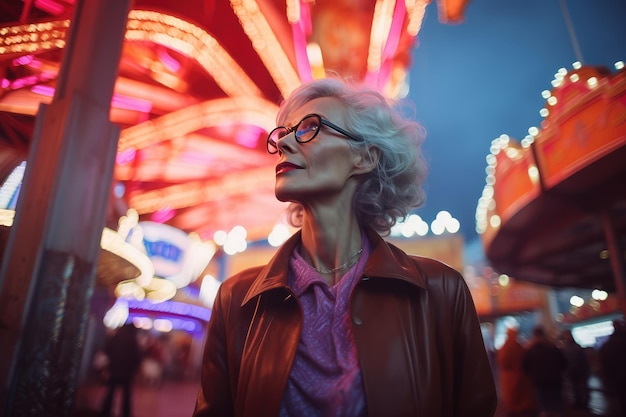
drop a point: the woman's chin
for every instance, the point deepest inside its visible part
(287, 198)
(285, 195)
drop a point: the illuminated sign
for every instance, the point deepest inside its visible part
(172, 307)
(176, 256)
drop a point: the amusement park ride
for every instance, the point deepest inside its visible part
(199, 86)
(553, 210)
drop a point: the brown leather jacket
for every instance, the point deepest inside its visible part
(415, 327)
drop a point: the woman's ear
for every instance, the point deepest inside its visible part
(366, 160)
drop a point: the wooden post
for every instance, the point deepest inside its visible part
(616, 256)
(48, 269)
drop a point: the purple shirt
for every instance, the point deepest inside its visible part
(325, 379)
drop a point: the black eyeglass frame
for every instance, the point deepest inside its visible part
(272, 146)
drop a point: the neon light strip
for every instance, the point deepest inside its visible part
(266, 45)
(293, 11)
(415, 10)
(381, 22)
(7, 217)
(395, 31)
(254, 110)
(50, 6)
(192, 41)
(172, 307)
(33, 38)
(302, 59)
(312, 64)
(199, 192)
(119, 101)
(11, 186)
(386, 83)
(155, 27)
(122, 101)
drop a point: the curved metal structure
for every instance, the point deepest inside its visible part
(553, 211)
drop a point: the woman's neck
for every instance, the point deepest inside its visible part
(331, 244)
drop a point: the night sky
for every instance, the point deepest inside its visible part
(474, 81)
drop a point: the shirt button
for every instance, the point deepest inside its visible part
(357, 321)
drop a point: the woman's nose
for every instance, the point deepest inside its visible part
(286, 143)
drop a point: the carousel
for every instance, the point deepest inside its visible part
(553, 210)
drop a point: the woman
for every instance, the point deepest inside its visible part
(340, 322)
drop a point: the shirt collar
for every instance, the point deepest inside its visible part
(386, 261)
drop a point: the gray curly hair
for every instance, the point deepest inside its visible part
(389, 192)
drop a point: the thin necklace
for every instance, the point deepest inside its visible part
(351, 261)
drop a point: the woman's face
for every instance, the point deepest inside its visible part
(317, 170)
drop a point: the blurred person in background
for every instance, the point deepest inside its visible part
(613, 362)
(515, 386)
(154, 362)
(545, 364)
(577, 372)
(124, 356)
(340, 322)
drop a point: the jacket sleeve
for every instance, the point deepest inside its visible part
(474, 386)
(215, 396)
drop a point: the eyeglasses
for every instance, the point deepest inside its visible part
(305, 131)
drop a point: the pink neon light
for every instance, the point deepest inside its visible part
(380, 78)
(23, 60)
(44, 90)
(50, 6)
(5, 83)
(249, 136)
(119, 101)
(163, 215)
(126, 157)
(302, 59)
(169, 62)
(305, 18)
(301, 30)
(130, 103)
(384, 74)
(391, 46)
(24, 82)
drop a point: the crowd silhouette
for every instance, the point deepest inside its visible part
(549, 375)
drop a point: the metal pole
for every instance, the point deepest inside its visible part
(48, 268)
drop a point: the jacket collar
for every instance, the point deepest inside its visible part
(386, 261)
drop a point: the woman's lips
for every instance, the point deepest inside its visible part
(286, 167)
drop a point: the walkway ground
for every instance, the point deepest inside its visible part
(598, 403)
(177, 399)
(171, 399)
